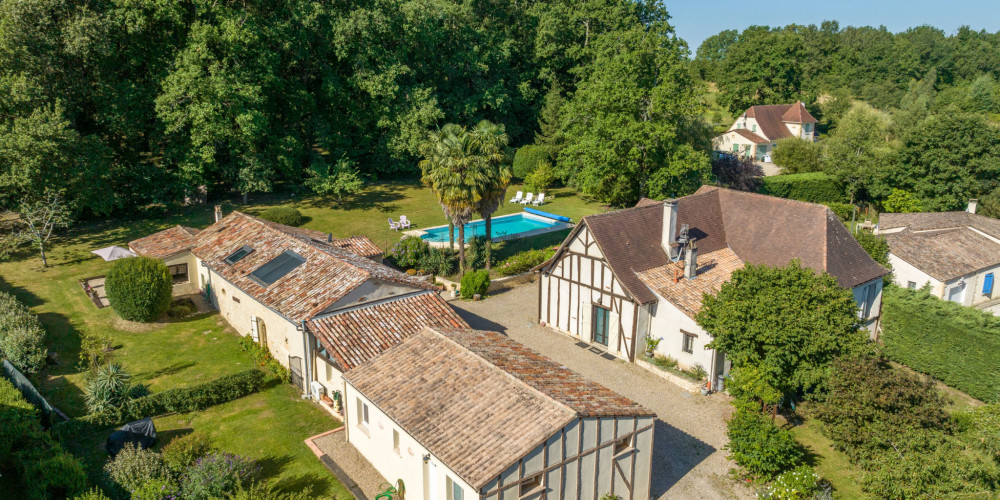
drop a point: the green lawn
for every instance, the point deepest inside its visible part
(269, 426)
(829, 463)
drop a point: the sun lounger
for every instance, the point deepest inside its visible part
(517, 198)
(540, 200)
(528, 199)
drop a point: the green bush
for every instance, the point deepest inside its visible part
(107, 387)
(541, 179)
(952, 343)
(92, 494)
(475, 253)
(439, 262)
(288, 216)
(184, 451)
(217, 474)
(182, 400)
(843, 211)
(475, 282)
(522, 262)
(409, 252)
(31, 462)
(258, 490)
(134, 466)
(527, 158)
(800, 483)
(814, 187)
(22, 338)
(759, 446)
(263, 358)
(139, 288)
(157, 489)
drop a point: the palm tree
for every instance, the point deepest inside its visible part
(450, 169)
(491, 144)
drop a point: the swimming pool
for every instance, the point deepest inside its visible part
(503, 228)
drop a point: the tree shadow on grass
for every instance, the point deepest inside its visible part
(166, 370)
(381, 197)
(273, 465)
(164, 438)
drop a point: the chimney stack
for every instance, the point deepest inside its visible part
(329, 237)
(218, 213)
(691, 261)
(973, 204)
(668, 240)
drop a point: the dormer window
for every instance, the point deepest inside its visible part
(237, 255)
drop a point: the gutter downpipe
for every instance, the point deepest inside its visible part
(307, 390)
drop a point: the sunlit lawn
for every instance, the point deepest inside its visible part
(269, 426)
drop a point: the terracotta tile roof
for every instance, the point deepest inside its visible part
(759, 229)
(355, 336)
(472, 414)
(750, 135)
(360, 245)
(327, 275)
(714, 269)
(772, 118)
(940, 220)
(945, 254)
(166, 243)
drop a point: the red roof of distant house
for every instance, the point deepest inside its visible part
(750, 135)
(166, 243)
(772, 118)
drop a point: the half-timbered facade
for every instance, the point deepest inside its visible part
(622, 277)
(473, 415)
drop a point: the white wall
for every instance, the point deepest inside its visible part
(903, 273)
(975, 295)
(666, 323)
(860, 294)
(375, 443)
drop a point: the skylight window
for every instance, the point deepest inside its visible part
(274, 269)
(239, 254)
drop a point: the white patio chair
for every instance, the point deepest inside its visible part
(393, 225)
(517, 198)
(540, 200)
(404, 222)
(528, 199)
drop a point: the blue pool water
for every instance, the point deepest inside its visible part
(507, 225)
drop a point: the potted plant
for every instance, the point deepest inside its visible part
(651, 345)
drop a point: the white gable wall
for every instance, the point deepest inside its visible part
(668, 322)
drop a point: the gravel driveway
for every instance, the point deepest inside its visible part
(690, 431)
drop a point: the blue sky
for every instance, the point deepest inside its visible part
(696, 20)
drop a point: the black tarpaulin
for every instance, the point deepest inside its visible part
(142, 433)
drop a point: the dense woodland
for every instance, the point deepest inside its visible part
(120, 105)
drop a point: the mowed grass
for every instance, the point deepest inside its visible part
(828, 462)
(269, 426)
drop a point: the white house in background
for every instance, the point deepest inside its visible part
(956, 253)
(462, 414)
(320, 304)
(755, 133)
(621, 277)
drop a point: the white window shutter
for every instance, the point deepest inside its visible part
(253, 329)
(586, 311)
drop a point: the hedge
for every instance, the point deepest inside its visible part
(522, 262)
(183, 400)
(814, 187)
(288, 216)
(22, 337)
(955, 344)
(528, 157)
(31, 462)
(139, 288)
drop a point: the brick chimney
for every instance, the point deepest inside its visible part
(218, 213)
(668, 240)
(691, 261)
(973, 204)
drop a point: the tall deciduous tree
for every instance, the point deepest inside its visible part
(788, 322)
(38, 220)
(795, 156)
(763, 66)
(860, 150)
(631, 118)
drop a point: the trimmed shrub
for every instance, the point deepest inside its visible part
(134, 466)
(955, 344)
(541, 178)
(475, 253)
(527, 158)
(22, 338)
(759, 446)
(107, 387)
(217, 474)
(814, 187)
(182, 400)
(843, 211)
(475, 282)
(264, 359)
(439, 262)
(184, 451)
(288, 216)
(409, 252)
(522, 262)
(139, 288)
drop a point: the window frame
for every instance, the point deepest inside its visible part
(395, 442)
(623, 446)
(232, 258)
(687, 342)
(535, 483)
(912, 285)
(174, 275)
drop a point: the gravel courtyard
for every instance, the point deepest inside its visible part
(689, 461)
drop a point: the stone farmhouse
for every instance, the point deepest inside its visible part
(755, 133)
(472, 415)
(624, 276)
(321, 305)
(956, 254)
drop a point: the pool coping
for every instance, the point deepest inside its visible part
(558, 226)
